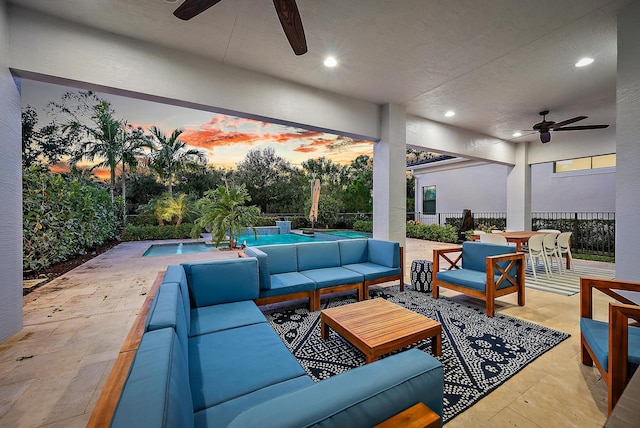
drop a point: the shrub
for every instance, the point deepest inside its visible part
(432, 232)
(144, 233)
(363, 226)
(63, 217)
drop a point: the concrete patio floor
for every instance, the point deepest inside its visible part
(52, 371)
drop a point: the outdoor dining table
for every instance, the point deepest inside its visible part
(519, 238)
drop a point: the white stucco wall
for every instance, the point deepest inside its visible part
(10, 194)
(591, 190)
(477, 186)
(482, 187)
(628, 145)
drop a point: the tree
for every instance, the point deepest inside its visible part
(46, 145)
(197, 182)
(224, 211)
(172, 157)
(132, 145)
(358, 177)
(271, 181)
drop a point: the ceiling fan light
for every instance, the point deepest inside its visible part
(330, 62)
(545, 137)
(584, 62)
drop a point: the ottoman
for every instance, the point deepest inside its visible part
(421, 271)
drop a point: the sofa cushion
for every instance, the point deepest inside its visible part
(317, 255)
(208, 319)
(175, 273)
(230, 363)
(372, 271)
(353, 251)
(330, 277)
(167, 311)
(287, 283)
(157, 392)
(282, 258)
(596, 333)
(469, 278)
(384, 253)
(263, 266)
(222, 414)
(209, 281)
(362, 397)
(474, 254)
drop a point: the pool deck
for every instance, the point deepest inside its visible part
(53, 370)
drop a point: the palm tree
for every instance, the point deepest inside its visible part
(172, 157)
(103, 140)
(224, 211)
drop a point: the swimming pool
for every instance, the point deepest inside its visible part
(342, 234)
(201, 247)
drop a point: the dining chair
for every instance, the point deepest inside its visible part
(551, 251)
(537, 253)
(612, 345)
(556, 231)
(493, 238)
(562, 243)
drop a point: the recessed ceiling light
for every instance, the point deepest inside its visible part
(584, 61)
(171, 1)
(450, 113)
(330, 62)
(517, 134)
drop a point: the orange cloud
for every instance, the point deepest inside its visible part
(305, 149)
(58, 167)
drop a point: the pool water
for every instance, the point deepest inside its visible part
(201, 247)
(351, 234)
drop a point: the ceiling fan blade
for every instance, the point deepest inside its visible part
(567, 122)
(291, 24)
(581, 128)
(191, 8)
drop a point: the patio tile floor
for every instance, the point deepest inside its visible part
(52, 371)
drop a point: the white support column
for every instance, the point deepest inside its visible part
(519, 191)
(10, 193)
(389, 176)
(628, 145)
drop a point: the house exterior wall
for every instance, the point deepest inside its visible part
(482, 187)
(590, 190)
(10, 193)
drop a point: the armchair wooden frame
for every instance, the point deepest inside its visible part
(620, 313)
(516, 285)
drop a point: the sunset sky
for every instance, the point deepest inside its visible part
(225, 139)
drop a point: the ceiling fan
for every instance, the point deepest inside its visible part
(546, 126)
(287, 13)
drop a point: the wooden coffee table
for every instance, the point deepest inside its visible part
(377, 327)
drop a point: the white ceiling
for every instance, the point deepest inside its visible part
(497, 63)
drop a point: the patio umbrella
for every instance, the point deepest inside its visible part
(315, 197)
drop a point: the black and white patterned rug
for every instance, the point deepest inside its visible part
(478, 353)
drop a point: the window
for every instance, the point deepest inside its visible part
(429, 200)
(580, 164)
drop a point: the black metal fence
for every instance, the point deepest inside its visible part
(593, 232)
(497, 219)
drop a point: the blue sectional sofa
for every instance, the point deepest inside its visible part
(311, 269)
(481, 270)
(208, 358)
